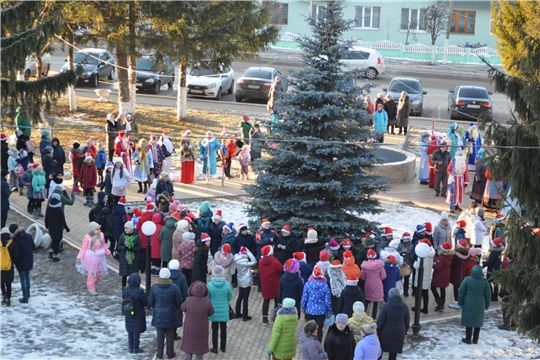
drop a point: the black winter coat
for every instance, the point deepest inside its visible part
(349, 295)
(59, 155)
(26, 247)
(6, 192)
(339, 345)
(49, 164)
(393, 324)
(200, 263)
(291, 244)
(305, 271)
(179, 280)
(119, 219)
(96, 210)
(215, 231)
(8, 275)
(312, 251)
(105, 219)
(246, 241)
(162, 186)
(291, 286)
(4, 155)
(124, 268)
(165, 298)
(55, 220)
(137, 323)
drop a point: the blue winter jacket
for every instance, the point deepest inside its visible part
(291, 286)
(265, 237)
(380, 121)
(6, 192)
(119, 219)
(164, 186)
(137, 323)
(246, 241)
(316, 298)
(369, 348)
(165, 298)
(305, 271)
(25, 243)
(219, 294)
(27, 179)
(203, 223)
(392, 277)
(101, 159)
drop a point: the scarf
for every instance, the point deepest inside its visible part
(130, 239)
(94, 239)
(167, 143)
(337, 282)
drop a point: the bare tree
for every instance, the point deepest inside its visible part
(435, 22)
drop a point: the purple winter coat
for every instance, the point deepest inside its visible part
(197, 308)
(373, 273)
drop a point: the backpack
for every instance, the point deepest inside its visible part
(5, 258)
(128, 306)
(29, 146)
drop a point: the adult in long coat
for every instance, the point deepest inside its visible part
(215, 230)
(426, 279)
(291, 284)
(350, 294)
(285, 246)
(458, 270)
(339, 342)
(269, 271)
(256, 142)
(7, 276)
(119, 219)
(135, 324)
(55, 222)
(25, 262)
(219, 293)
(474, 297)
(208, 154)
(165, 236)
(200, 261)
(403, 112)
(197, 309)
(391, 109)
(129, 249)
(112, 131)
(165, 299)
(6, 193)
(283, 342)
(393, 324)
(179, 280)
(373, 274)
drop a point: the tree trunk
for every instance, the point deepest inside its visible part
(39, 65)
(124, 104)
(132, 81)
(132, 59)
(181, 101)
(71, 89)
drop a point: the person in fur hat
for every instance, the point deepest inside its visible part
(182, 226)
(350, 294)
(442, 268)
(291, 284)
(393, 275)
(162, 202)
(186, 255)
(144, 164)
(336, 280)
(493, 263)
(270, 270)
(92, 259)
(426, 280)
(458, 270)
(373, 274)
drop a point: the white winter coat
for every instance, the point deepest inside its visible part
(479, 229)
(243, 266)
(428, 270)
(441, 234)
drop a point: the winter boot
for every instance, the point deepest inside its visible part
(494, 297)
(246, 317)
(145, 190)
(29, 209)
(468, 335)
(21, 191)
(140, 187)
(506, 324)
(40, 214)
(440, 305)
(86, 202)
(4, 300)
(8, 302)
(91, 203)
(265, 320)
(35, 214)
(76, 189)
(476, 335)
(55, 258)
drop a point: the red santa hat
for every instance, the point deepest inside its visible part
(391, 258)
(265, 221)
(371, 254)
(462, 224)
(226, 249)
(121, 133)
(291, 265)
(267, 250)
(324, 255)
(218, 216)
(369, 234)
(122, 201)
(462, 244)
(300, 256)
(347, 254)
(446, 246)
(3, 137)
(150, 206)
(346, 243)
(333, 244)
(500, 217)
(286, 229)
(335, 264)
(388, 231)
(496, 242)
(317, 272)
(429, 228)
(137, 212)
(426, 241)
(351, 280)
(205, 237)
(406, 235)
(242, 226)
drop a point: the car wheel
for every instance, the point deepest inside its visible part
(157, 88)
(111, 74)
(47, 69)
(170, 84)
(27, 75)
(371, 73)
(231, 89)
(218, 96)
(94, 80)
(238, 98)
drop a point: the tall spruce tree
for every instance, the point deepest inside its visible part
(321, 167)
(518, 159)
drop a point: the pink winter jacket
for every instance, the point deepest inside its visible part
(186, 254)
(87, 245)
(227, 262)
(373, 273)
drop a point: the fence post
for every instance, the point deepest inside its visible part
(369, 44)
(467, 57)
(401, 49)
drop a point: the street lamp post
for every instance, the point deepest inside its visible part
(422, 251)
(148, 229)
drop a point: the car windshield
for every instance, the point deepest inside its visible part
(473, 93)
(258, 74)
(82, 58)
(203, 72)
(145, 64)
(411, 87)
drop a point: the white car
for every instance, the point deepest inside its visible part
(207, 82)
(370, 61)
(30, 67)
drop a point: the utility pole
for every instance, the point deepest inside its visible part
(448, 29)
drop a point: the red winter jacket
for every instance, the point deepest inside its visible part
(441, 270)
(155, 252)
(146, 216)
(458, 271)
(88, 175)
(231, 148)
(269, 270)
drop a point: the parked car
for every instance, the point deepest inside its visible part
(469, 102)
(256, 82)
(369, 61)
(30, 68)
(414, 89)
(151, 76)
(96, 64)
(206, 81)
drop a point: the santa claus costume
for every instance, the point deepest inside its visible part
(433, 146)
(121, 148)
(458, 179)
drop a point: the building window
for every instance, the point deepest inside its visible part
(367, 17)
(412, 19)
(280, 14)
(462, 21)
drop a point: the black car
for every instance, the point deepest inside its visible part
(256, 83)
(151, 75)
(469, 102)
(94, 64)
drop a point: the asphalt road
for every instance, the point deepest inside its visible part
(435, 102)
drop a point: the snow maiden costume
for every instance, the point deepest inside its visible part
(208, 154)
(424, 165)
(474, 143)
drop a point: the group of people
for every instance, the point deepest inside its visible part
(389, 114)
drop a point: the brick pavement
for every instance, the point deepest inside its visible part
(249, 340)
